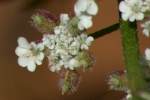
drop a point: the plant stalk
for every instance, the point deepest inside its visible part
(131, 53)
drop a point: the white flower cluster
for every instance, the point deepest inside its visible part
(136, 10)
(67, 47)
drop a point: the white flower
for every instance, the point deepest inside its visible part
(64, 18)
(146, 5)
(146, 28)
(74, 47)
(86, 41)
(29, 54)
(59, 29)
(132, 10)
(85, 22)
(93, 8)
(72, 64)
(85, 6)
(89, 40)
(56, 67)
(49, 41)
(80, 7)
(147, 54)
(129, 96)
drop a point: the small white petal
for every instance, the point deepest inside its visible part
(125, 16)
(73, 63)
(39, 58)
(146, 32)
(40, 46)
(22, 61)
(140, 16)
(57, 30)
(64, 18)
(122, 6)
(132, 18)
(22, 42)
(22, 51)
(92, 8)
(147, 54)
(80, 6)
(31, 66)
(146, 28)
(85, 47)
(77, 12)
(85, 22)
(89, 40)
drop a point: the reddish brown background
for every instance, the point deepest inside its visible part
(17, 83)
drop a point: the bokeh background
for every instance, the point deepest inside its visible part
(17, 83)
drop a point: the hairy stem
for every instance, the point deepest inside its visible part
(131, 58)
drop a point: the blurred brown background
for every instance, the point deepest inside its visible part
(17, 83)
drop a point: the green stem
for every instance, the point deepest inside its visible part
(130, 44)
